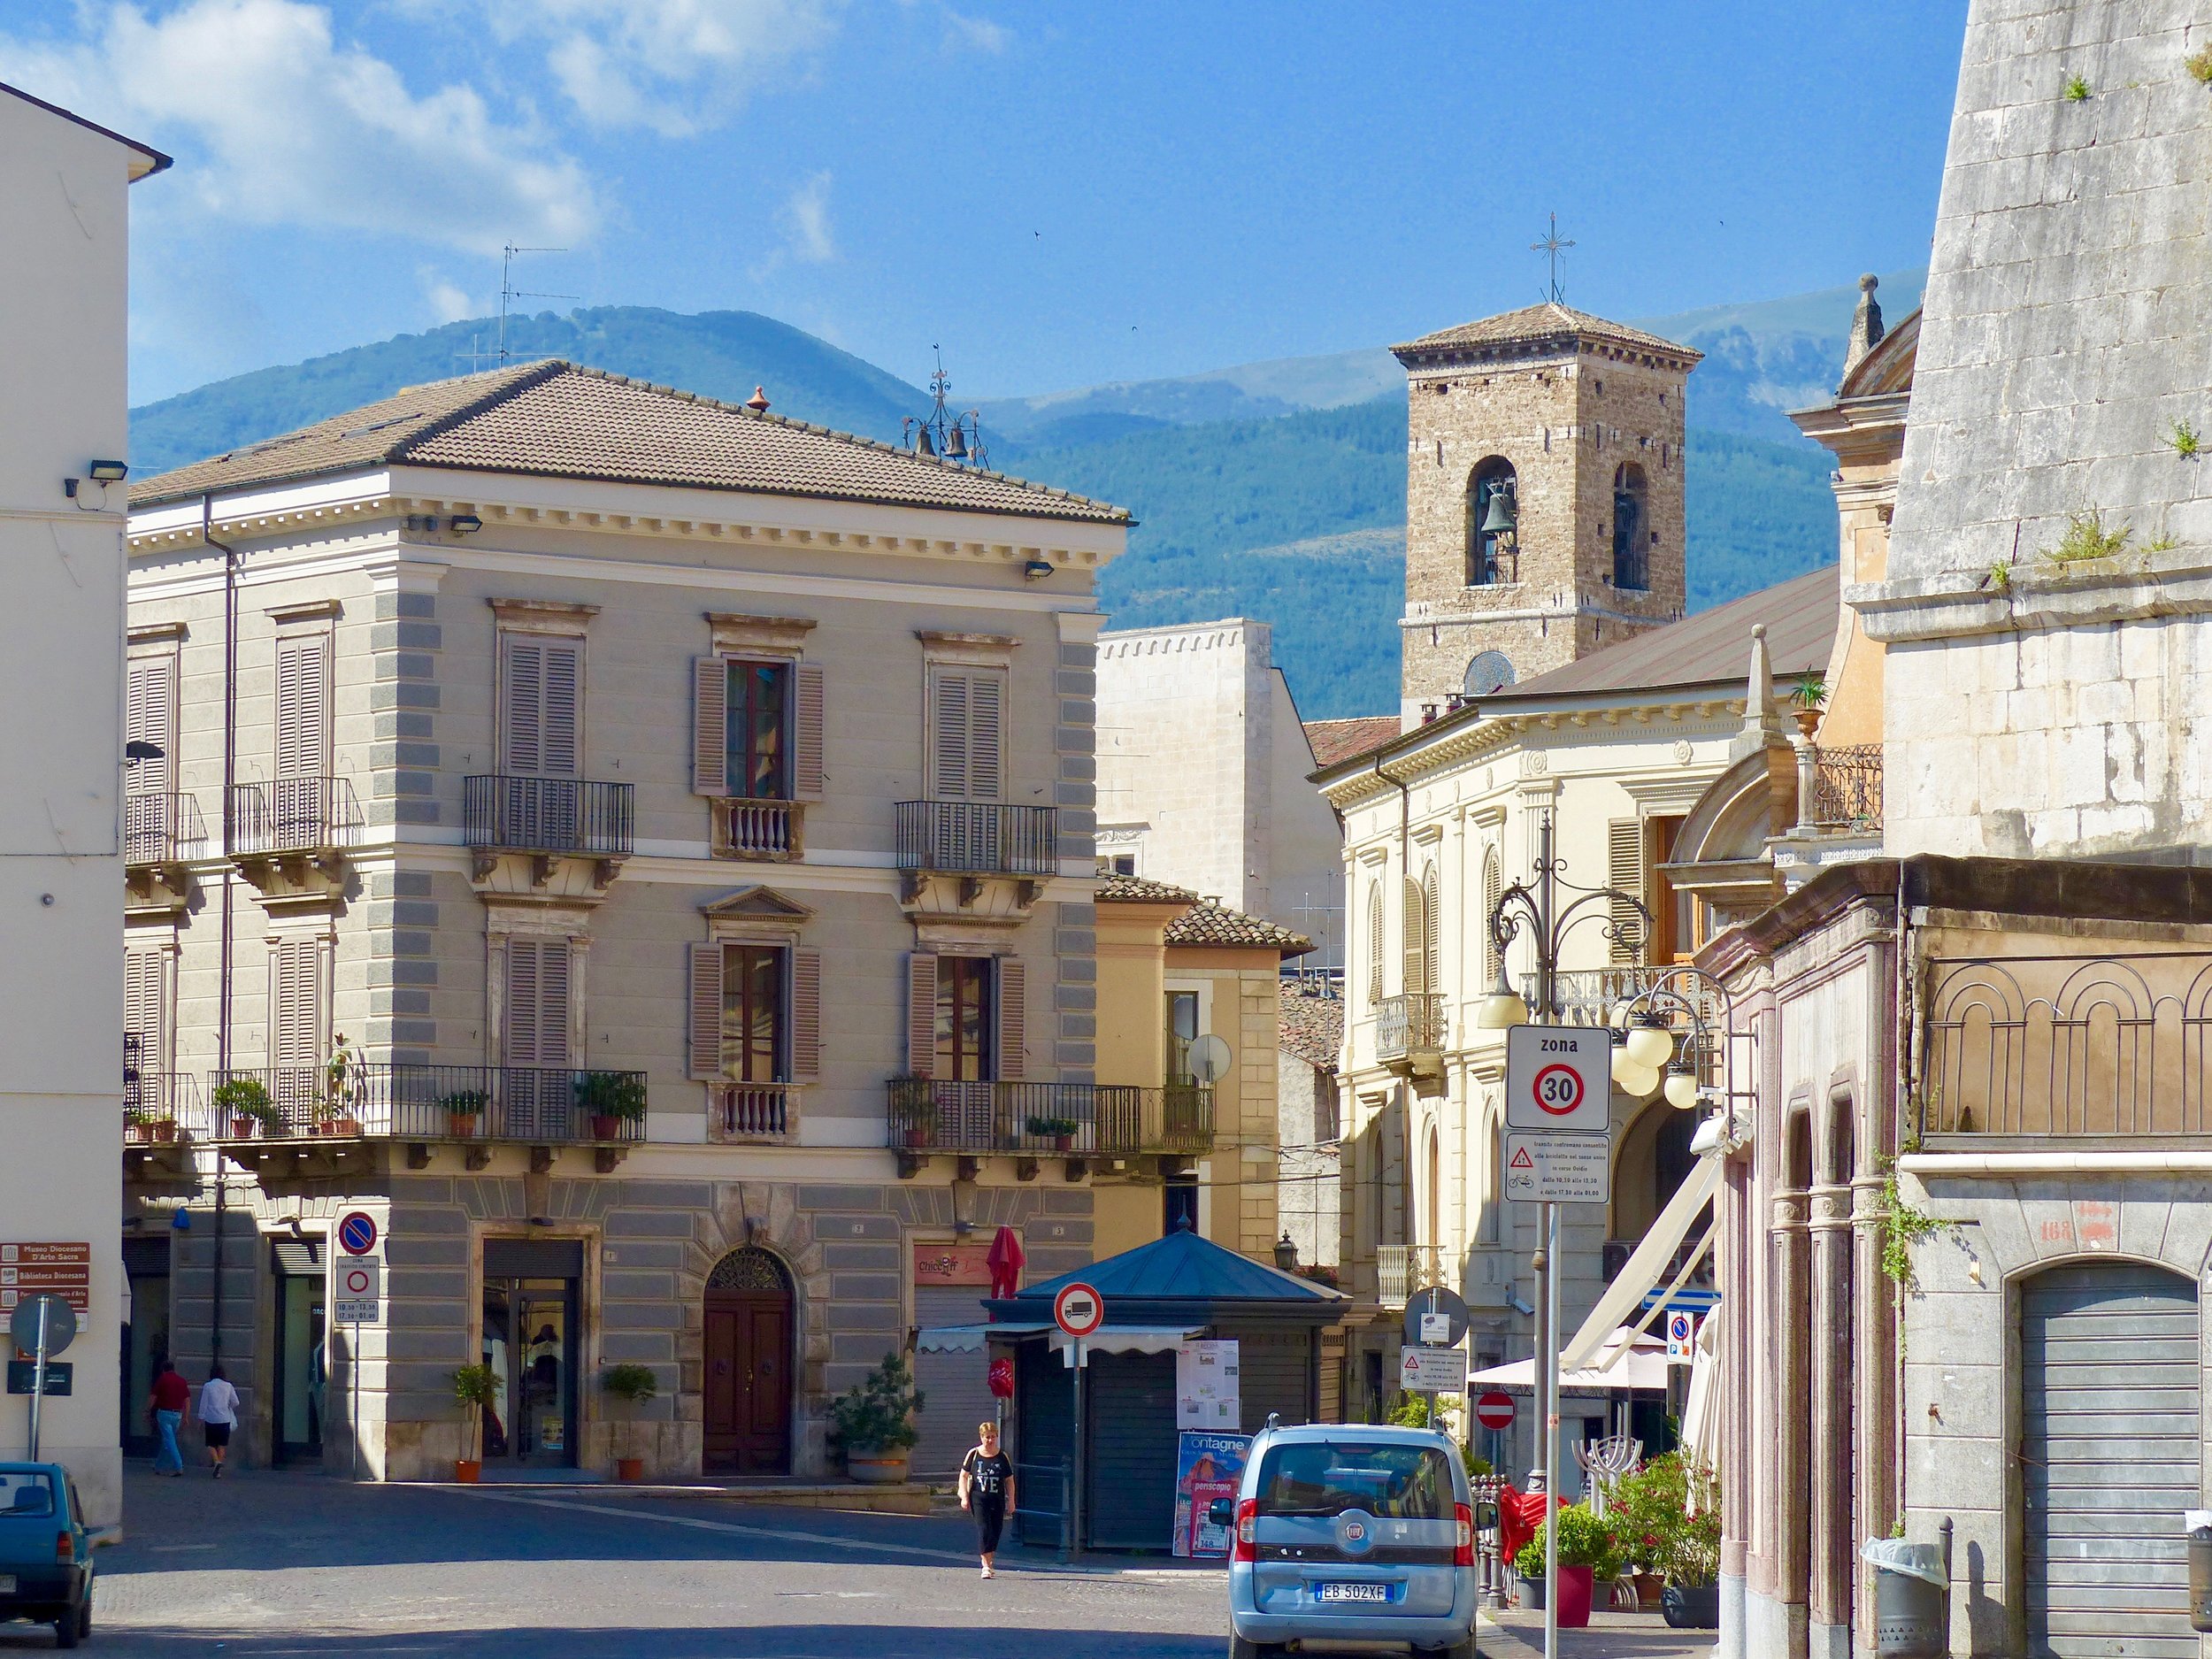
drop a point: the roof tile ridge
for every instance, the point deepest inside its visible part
(522, 380)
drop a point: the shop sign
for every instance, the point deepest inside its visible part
(955, 1265)
(62, 1270)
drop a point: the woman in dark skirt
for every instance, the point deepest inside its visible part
(987, 1492)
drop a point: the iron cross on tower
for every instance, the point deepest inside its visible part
(1552, 247)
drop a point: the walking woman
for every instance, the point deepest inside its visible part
(218, 1416)
(987, 1492)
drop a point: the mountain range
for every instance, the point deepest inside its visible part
(1274, 490)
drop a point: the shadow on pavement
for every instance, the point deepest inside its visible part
(761, 1641)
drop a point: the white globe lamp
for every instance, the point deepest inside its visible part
(1650, 1046)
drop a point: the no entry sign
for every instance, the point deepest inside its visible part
(1559, 1078)
(1494, 1411)
(357, 1233)
(1078, 1309)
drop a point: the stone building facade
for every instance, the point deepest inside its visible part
(1576, 426)
(638, 852)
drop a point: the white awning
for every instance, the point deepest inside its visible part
(1125, 1339)
(968, 1339)
(1644, 1366)
(1700, 1413)
(1645, 1264)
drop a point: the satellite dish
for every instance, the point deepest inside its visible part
(1491, 671)
(1209, 1058)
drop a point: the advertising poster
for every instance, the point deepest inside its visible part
(1207, 1388)
(1207, 1466)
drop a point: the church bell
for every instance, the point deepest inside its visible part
(1498, 519)
(956, 444)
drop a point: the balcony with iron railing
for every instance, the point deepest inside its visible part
(1081, 1120)
(313, 816)
(1410, 1024)
(162, 829)
(978, 838)
(502, 812)
(406, 1102)
(1846, 789)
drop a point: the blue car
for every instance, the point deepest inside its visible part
(1344, 1532)
(45, 1551)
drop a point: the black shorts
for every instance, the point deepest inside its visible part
(218, 1434)
(990, 1521)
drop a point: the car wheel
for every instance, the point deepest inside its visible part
(84, 1617)
(1460, 1649)
(67, 1632)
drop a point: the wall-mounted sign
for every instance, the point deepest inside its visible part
(956, 1265)
(63, 1270)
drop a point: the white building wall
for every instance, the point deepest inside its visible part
(64, 241)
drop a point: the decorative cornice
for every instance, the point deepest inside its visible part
(306, 610)
(734, 630)
(542, 614)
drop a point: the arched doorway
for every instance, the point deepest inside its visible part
(2109, 1368)
(748, 1380)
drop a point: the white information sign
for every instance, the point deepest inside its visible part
(358, 1289)
(1559, 1078)
(1436, 1330)
(1207, 1391)
(1434, 1370)
(1554, 1169)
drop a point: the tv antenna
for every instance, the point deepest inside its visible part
(1552, 247)
(508, 293)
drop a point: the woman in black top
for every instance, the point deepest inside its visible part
(987, 1492)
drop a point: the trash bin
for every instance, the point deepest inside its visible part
(2199, 1525)
(1908, 1586)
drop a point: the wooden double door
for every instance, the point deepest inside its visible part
(748, 1402)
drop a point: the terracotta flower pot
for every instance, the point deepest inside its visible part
(140, 1132)
(1650, 1586)
(606, 1128)
(165, 1131)
(242, 1129)
(1062, 1143)
(1575, 1585)
(466, 1470)
(916, 1137)
(461, 1125)
(629, 1469)
(347, 1126)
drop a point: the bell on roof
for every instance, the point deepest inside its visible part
(758, 401)
(957, 442)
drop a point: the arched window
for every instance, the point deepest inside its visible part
(1374, 942)
(1631, 523)
(1493, 1222)
(1436, 1186)
(1491, 554)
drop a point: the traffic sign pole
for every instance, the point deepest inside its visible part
(38, 1376)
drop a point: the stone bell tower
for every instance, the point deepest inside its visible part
(1543, 497)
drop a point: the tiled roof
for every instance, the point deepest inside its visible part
(1137, 890)
(1312, 1027)
(1541, 322)
(1207, 923)
(1332, 741)
(557, 420)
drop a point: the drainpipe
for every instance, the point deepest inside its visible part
(230, 775)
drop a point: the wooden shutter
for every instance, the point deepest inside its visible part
(1432, 931)
(948, 712)
(297, 985)
(1012, 975)
(1374, 941)
(705, 1056)
(302, 708)
(1625, 869)
(921, 1015)
(806, 1015)
(537, 1002)
(553, 1011)
(562, 753)
(967, 733)
(149, 716)
(1490, 894)
(710, 725)
(1413, 931)
(145, 1006)
(522, 721)
(986, 710)
(807, 732)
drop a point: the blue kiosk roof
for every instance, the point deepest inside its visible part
(1184, 1276)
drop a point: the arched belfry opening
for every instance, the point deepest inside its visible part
(1492, 521)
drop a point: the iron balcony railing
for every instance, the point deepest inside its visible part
(1848, 787)
(163, 1107)
(1048, 1119)
(292, 815)
(1412, 1024)
(1402, 1269)
(422, 1103)
(741, 1112)
(162, 829)
(503, 813)
(979, 838)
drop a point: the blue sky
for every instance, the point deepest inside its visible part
(1059, 193)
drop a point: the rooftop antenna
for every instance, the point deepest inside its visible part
(1552, 247)
(509, 292)
(943, 432)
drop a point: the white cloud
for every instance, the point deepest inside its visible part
(980, 33)
(806, 222)
(673, 66)
(290, 126)
(449, 301)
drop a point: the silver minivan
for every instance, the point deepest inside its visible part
(1346, 1533)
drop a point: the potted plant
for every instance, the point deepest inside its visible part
(462, 1109)
(634, 1385)
(873, 1422)
(244, 1103)
(1059, 1130)
(341, 1079)
(611, 1099)
(1809, 697)
(1651, 1510)
(475, 1386)
(1588, 1551)
(915, 1111)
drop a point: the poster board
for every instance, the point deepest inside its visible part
(1207, 1389)
(1207, 1466)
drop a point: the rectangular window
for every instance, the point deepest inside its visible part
(966, 734)
(758, 763)
(541, 692)
(303, 707)
(963, 1026)
(149, 717)
(754, 1015)
(146, 1008)
(1182, 1031)
(298, 1026)
(536, 1015)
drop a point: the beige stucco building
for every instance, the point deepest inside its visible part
(638, 851)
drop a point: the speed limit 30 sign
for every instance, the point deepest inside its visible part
(1559, 1078)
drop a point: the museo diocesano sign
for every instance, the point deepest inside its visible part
(954, 1264)
(26, 1269)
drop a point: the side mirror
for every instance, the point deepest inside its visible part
(1221, 1512)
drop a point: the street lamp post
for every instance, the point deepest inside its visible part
(1547, 923)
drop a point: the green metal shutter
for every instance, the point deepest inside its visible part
(2109, 1380)
(1274, 1373)
(955, 1387)
(1044, 1425)
(1130, 1477)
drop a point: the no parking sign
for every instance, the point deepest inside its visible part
(1681, 1336)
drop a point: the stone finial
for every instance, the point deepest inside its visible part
(1761, 725)
(1866, 325)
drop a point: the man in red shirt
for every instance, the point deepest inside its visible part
(167, 1404)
